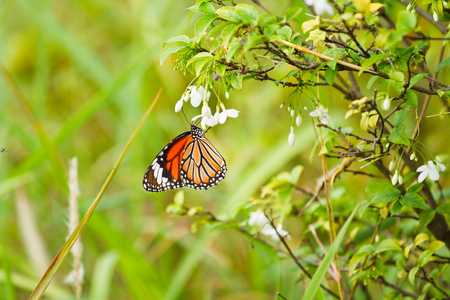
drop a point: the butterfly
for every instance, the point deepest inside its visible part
(188, 160)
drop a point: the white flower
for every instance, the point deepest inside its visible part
(391, 166)
(227, 113)
(291, 138)
(435, 16)
(430, 170)
(179, 105)
(413, 156)
(207, 118)
(227, 95)
(320, 6)
(298, 120)
(270, 231)
(197, 95)
(322, 113)
(395, 178)
(386, 103)
(257, 218)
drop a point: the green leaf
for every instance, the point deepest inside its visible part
(234, 46)
(387, 195)
(171, 50)
(436, 245)
(412, 275)
(425, 257)
(228, 32)
(443, 208)
(248, 13)
(202, 25)
(399, 116)
(229, 13)
(398, 135)
(330, 74)
(413, 200)
(371, 60)
(206, 8)
(199, 56)
(285, 33)
(201, 63)
(320, 273)
(377, 187)
(356, 258)
(420, 238)
(253, 41)
(178, 199)
(179, 38)
(415, 188)
(416, 79)
(426, 216)
(295, 174)
(388, 245)
(441, 65)
(371, 81)
(396, 207)
(292, 12)
(406, 20)
(397, 76)
(412, 99)
(236, 81)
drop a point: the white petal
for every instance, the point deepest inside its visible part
(196, 99)
(179, 105)
(232, 113)
(222, 117)
(395, 178)
(324, 121)
(434, 174)
(441, 167)
(298, 120)
(422, 168)
(423, 175)
(314, 113)
(227, 95)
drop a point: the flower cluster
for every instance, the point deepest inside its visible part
(259, 219)
(431, 170)
(199, 95)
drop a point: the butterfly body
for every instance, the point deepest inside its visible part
(188, 160)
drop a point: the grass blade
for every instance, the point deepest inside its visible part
(319, 275)
(64, 251)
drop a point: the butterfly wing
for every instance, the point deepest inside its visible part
(164, 172)
(202, 166)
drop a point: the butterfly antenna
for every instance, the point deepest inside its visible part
(185, 116)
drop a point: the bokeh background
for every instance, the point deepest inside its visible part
(88, 70)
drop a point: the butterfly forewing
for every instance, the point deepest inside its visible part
(188, 160)
(164, 172)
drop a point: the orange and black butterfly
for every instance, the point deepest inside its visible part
(188, 160)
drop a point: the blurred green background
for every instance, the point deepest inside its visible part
(89, 70)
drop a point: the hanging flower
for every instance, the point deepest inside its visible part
(207, 118)
(227, 113)
(322, 113)
(259, 219)
(291, 137)
(430, 170)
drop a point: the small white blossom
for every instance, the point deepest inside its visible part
(395, 178)
(292, 113)
(400, 179)
(391, 166)
(435, 16)
(257, 218)
(270, 231)
(413, 156)
(291, 138)
(179, 105)
(298, 120)
(227, 113)
(207, 118)
(227, 95)
(320, 7)
(322, 113)
(386, 103)
(430, 170)
(197, 95)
